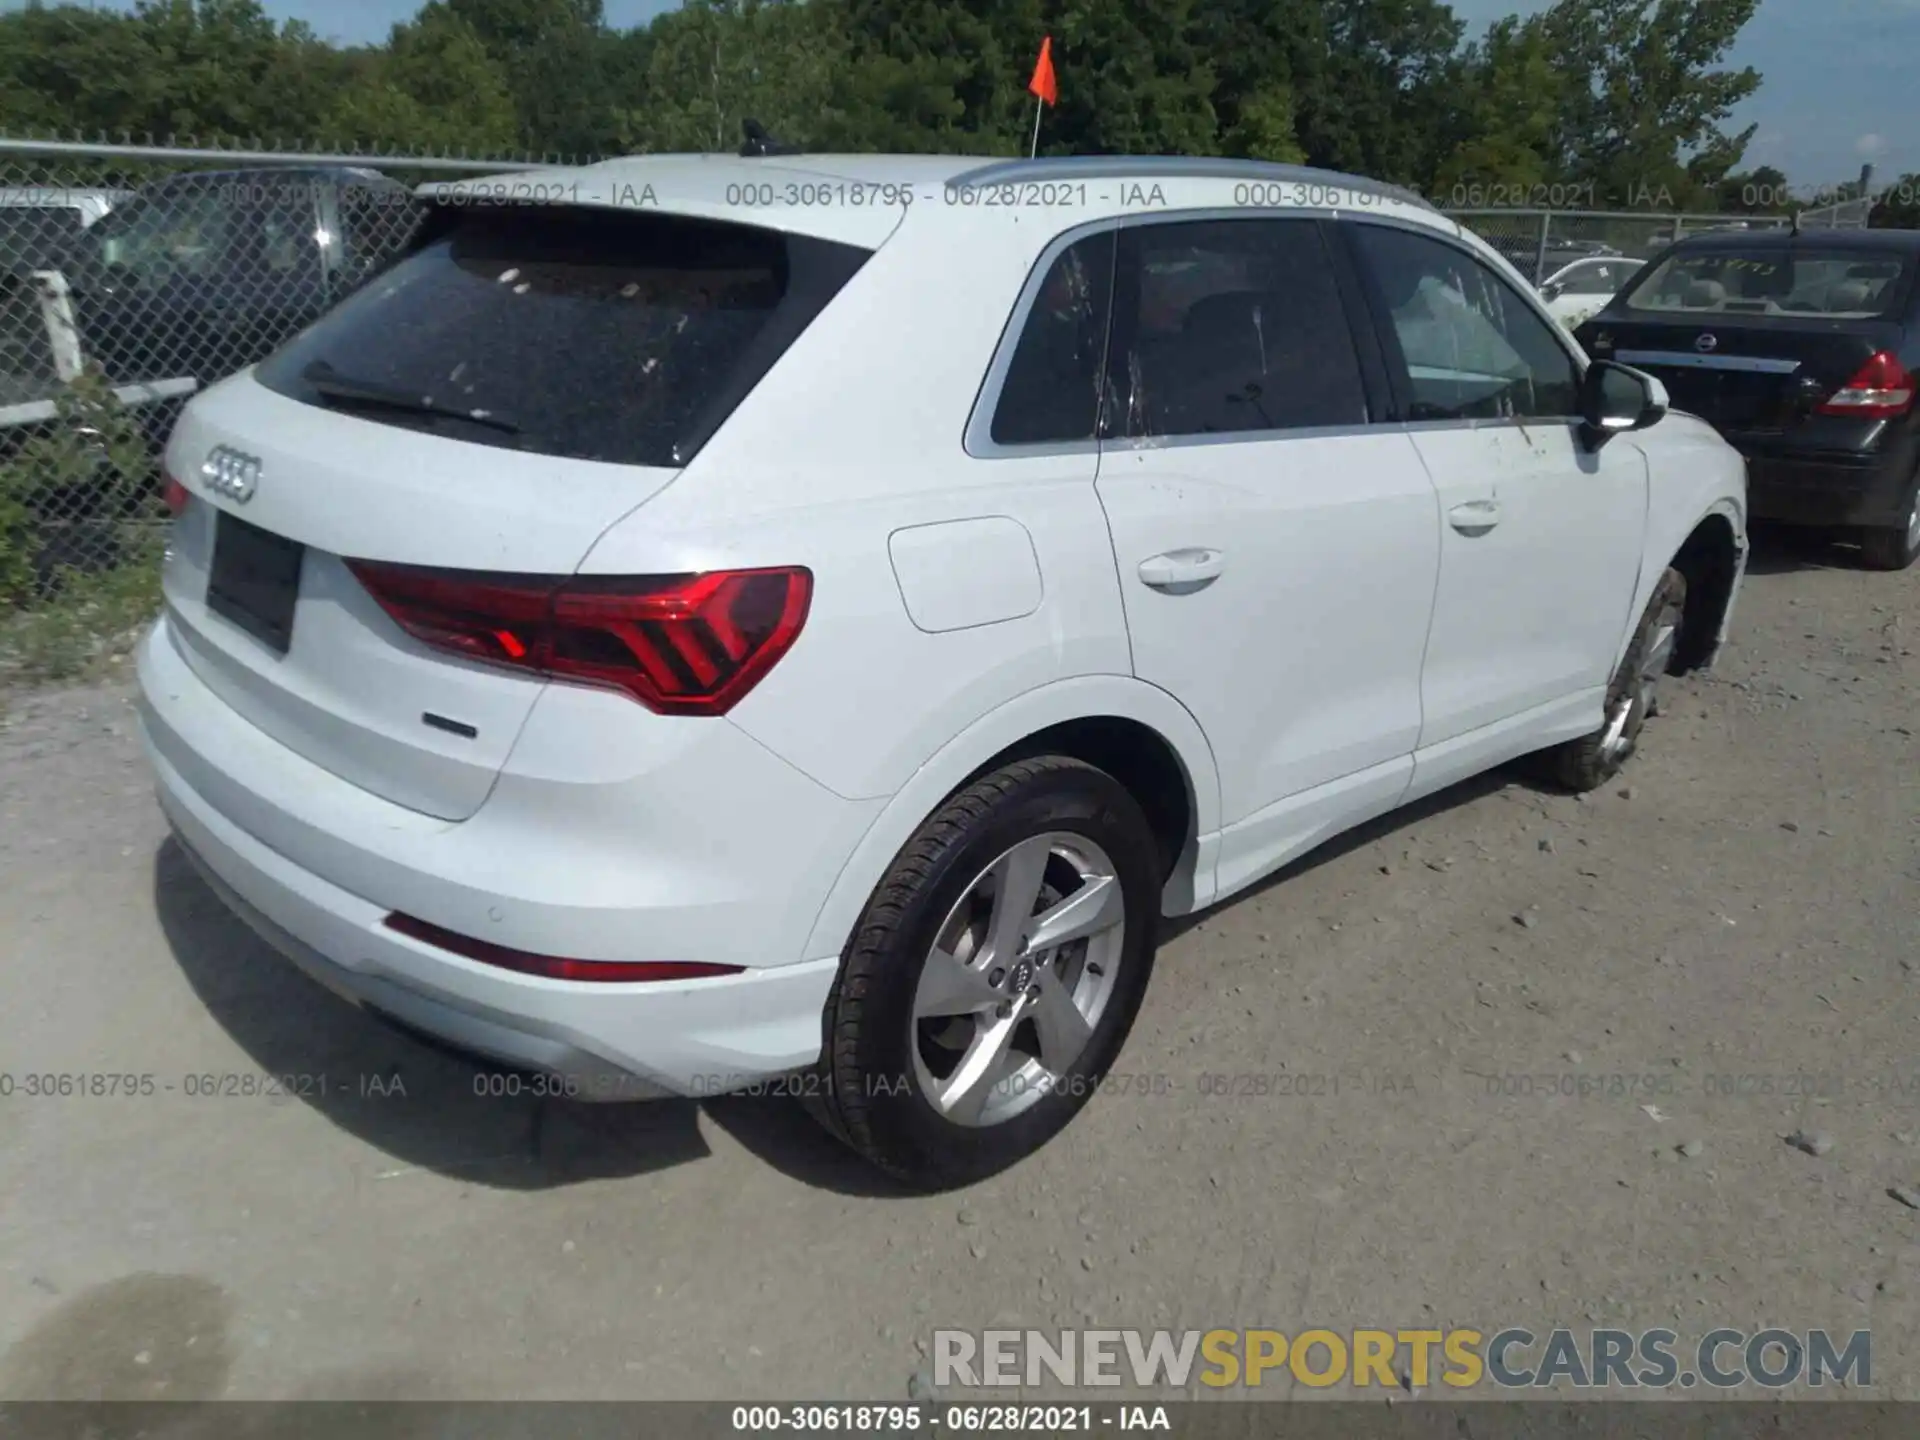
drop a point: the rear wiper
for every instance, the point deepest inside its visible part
(330, 384)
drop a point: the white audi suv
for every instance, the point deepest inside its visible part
(696, 621)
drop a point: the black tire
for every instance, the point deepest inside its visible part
(871, 1096)
(1894, 547)
(1591, 761)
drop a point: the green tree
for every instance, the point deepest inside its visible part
(1898, 207)
(1630, 95)
(713, 64)
(1133, 80)
(1255, 48)
(507, 26)
(1375, 87)
(432, 87)
(1265, 125)
(562, 65)
(1761, 190)
(1645, 128)
(932, 75)
(71, 70)
(627, 59)
(215, 70)
(1503, 126)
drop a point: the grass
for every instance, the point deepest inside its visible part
(88, 625)
(83, 488)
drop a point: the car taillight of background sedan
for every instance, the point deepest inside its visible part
(1883, 390)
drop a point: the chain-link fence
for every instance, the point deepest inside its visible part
(1580, 259)
(131, 278)
(1542, 242)
(1846, 215)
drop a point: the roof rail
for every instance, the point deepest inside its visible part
(1213, 167)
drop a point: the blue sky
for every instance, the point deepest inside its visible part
(1842, 76)
(1840, 84)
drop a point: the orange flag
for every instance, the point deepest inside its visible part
(1043, 83)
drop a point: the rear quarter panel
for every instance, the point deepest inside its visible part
(855, 436)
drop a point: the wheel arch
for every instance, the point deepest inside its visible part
(1135, 731)
(1711, 552)
(1713, 560)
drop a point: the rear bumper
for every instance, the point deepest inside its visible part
(1829, 488)
(322, 901)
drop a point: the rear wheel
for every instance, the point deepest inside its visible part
(1632, 699)
(1895, 547)
(994, 975)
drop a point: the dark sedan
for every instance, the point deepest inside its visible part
(1801, 349)
(204, 273)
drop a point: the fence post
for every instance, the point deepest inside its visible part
(63, 331)
(1540, 256)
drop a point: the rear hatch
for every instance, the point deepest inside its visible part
(1754, 339)
(488, 406)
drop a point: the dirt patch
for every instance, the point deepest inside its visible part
(1512, 1059)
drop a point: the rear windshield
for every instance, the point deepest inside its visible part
(1774, 280)
(594, 335)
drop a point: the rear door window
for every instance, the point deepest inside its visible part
(1232, 327)
(1052, 390)
(593, 335)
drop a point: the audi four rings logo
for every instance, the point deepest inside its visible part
(1707, 344)
(229, 473)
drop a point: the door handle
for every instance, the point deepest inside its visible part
(1181, 572)
(1475, 518)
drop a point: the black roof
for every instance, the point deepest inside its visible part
(1906, 241)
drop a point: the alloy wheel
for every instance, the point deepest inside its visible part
(1639, 696)
(1018, 979)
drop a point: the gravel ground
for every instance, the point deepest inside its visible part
(1735, 915)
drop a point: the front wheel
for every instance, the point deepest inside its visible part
(1633, 697)
(994, 975)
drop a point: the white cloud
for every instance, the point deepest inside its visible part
(1869, 147)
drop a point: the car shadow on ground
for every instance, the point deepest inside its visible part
(1791, 549)
(433, 1108)
(1358, 838)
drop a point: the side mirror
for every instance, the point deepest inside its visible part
(1616, 398)
(1552, 291)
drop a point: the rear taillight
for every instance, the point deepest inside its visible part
(679, 644)
(173, 492)
(523, 962)
(1883, 390)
